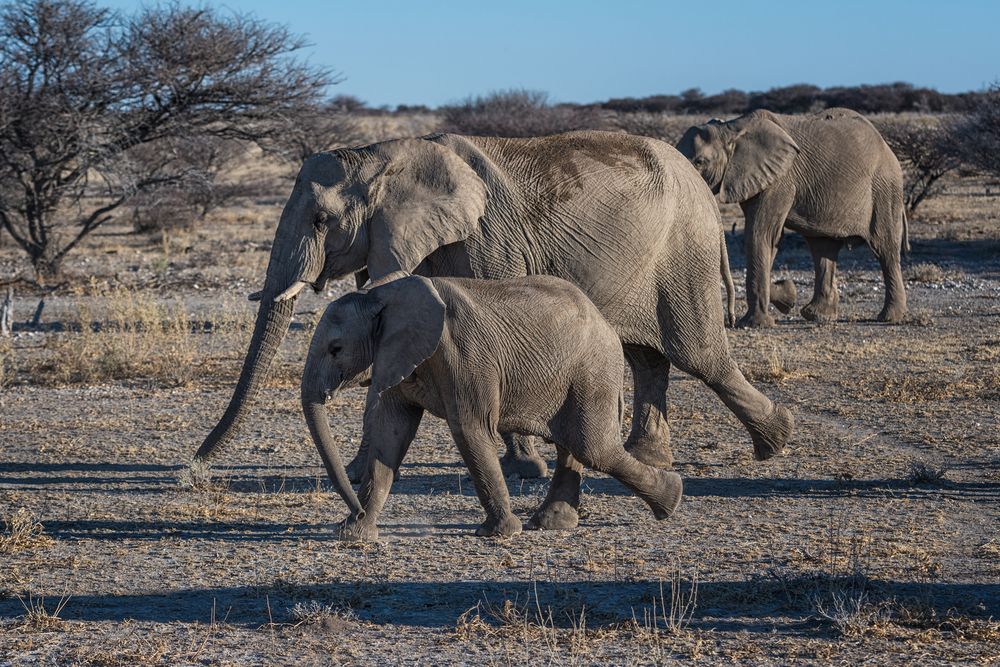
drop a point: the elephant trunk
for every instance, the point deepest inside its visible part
(273, 319)
(314, 409)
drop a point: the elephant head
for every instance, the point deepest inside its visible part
(740, 158)
(385, 207)
(383, 335)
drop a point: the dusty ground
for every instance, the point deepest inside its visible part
(873, 539)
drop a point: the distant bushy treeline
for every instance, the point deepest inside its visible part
(800, 98)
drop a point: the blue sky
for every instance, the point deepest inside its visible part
(395, 52)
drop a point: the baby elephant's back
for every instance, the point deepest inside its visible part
(534, 319)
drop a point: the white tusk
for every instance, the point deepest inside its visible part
(255, 296)
(292, 291)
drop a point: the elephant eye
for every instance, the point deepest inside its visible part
(334, 349)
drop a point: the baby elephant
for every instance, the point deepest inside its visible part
(528, 355)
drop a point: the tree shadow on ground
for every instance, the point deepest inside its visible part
(761, 604)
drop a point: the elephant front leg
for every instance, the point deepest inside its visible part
(478, 448)
(390, 427)
(522, 459)
(823, 307)
(560, 509)
(765, 216)
(649, 438)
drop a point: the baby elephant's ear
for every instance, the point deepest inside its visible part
(409, 329)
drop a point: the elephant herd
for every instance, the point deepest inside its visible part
(511, 279)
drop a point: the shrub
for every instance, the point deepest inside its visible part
(517, 113)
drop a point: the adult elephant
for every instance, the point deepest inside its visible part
(625, 218)
(829, 176)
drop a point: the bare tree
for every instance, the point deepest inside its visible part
(91, 101)
(925, 146)
(978, 135)
(322, 127)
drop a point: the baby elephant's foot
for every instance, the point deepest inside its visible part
(558, 515)
(770, 437)
(358, 531)
(671, 488)
(505, 527)
(528, 467)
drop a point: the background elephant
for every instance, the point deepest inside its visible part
(829, 176)
(527, 355)
(625, 218)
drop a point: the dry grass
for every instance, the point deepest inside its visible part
(22, 531)
(38, 619)
(926, 272)
(196, 477)
(137, 337)
(925, 473)
(322, 616)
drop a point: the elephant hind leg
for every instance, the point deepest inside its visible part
(660, 489)
(559, 510)
(649, 438)
(886, 243)
(702, 351)
(823, 307)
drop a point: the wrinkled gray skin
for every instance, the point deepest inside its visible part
(625, 218)
(527, 355)
(829, 176)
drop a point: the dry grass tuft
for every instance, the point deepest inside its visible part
(6, 361)
(196, 477)
(770, 366)
(926, 272)
(326, 617)
(22, 532)
(38, 619)
(853, 614)
(926, 473)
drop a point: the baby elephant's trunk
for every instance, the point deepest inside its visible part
(314, 409)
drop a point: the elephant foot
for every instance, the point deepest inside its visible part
(783, 295)
(652, 452)
(770, 437)
(665, 502)
(755, 321)
(820, 312)
(358, 531)
(892, 313)
(505, 527)
(525, 467)
(557, 515)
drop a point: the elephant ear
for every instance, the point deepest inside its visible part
(761, 153)
(410, 325)
(426, 197)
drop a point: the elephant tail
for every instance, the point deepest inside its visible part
(727, 278)
(905, 245)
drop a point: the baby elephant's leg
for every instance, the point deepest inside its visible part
(478, 448)
(661, 489)
(559, 510)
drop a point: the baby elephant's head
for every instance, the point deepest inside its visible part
(379, 336)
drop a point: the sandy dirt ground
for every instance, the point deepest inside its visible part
(872, 540)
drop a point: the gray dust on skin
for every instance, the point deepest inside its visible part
(130, 544)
